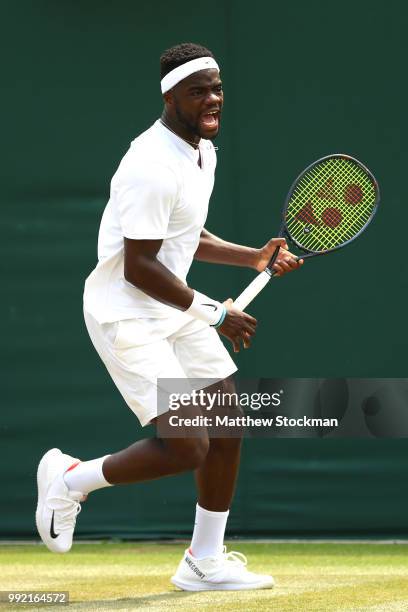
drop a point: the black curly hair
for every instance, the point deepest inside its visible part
(180, 54)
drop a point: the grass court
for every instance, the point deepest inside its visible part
(310, 577)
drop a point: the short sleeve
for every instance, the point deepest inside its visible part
(145, 198)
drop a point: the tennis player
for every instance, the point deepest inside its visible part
(147, 324)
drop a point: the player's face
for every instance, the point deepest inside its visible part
(197, 103)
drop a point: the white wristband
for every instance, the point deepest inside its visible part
(205, 308)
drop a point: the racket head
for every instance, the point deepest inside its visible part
(330, 204)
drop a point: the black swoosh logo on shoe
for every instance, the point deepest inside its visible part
(52, 532)
(211, 305)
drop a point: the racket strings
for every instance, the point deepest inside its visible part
(336, 224)
(354, 216)
(350, 219)
(331, 204)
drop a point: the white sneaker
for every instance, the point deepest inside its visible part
(227, 572)
(57, 506)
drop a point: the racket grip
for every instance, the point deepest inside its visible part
(252, 290)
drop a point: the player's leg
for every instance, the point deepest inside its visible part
(216, 478)
(64, 481)
(217, 474)
(154, 458)
(206, 565)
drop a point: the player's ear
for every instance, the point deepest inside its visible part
(168, 97)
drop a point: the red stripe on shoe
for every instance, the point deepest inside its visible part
(72, 466)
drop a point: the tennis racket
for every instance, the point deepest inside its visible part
(328, 206)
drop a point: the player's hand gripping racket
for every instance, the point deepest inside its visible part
(328, 206)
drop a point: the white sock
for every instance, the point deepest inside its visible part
(208, 534)
(86, 476)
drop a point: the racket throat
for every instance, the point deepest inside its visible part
(272, 260)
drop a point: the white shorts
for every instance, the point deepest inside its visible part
(138, 352)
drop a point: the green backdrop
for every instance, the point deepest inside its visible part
(302, 79)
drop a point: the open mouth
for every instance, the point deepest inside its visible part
(210, 120)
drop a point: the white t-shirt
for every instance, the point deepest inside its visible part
(158, 192)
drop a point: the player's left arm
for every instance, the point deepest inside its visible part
(213, 249)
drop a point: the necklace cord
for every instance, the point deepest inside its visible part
(193, 144)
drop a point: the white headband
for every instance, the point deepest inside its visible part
(182, 72)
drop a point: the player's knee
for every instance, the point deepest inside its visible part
(195, 452)
(191, 452)
(227, 445)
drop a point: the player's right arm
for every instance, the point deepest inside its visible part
(146, 197)
(143, 270)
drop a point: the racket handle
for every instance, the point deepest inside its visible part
(252, 290)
